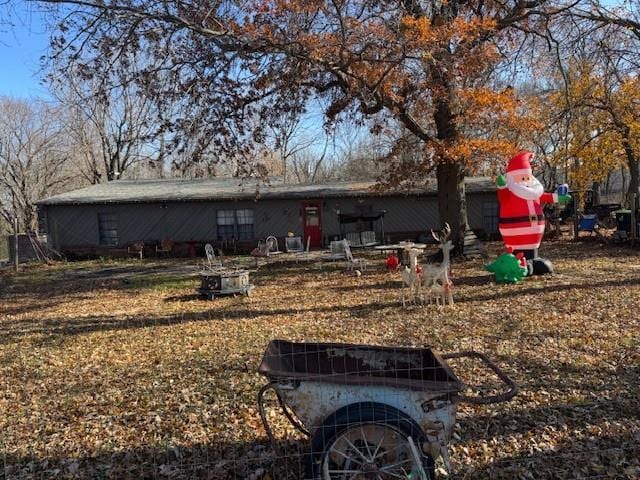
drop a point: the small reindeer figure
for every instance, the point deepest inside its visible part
(437, 281)
(411, 278)
(440, 292)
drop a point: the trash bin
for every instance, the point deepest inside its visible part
(623, 221)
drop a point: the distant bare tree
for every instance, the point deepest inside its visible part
(290, 138)
(113, 129)
(311, 166)
(361, 155)
(200, 168)
(33, 158)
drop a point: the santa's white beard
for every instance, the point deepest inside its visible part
(531, 190)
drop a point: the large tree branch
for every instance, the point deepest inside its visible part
(610, 19)
(145, 15)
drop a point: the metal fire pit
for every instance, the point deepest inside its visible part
(224, 282)
(371, 412)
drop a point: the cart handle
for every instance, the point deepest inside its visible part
(503, 397)
(283, 406)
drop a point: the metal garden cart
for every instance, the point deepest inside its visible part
(371, 412)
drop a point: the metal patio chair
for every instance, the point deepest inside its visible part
(272, 244)
(368, 238)
(336, 250)
(165, 247)
(354, 239)
(352, 262)
(213, 262)
(293, 245)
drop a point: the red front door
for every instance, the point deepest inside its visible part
(312, 221)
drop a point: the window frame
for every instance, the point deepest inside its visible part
(239, 224)
(245, 230)
(108, 240)
(226, 227)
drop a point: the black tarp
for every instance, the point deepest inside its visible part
(360, 217)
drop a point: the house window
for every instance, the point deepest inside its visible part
(312, 215)
(226, 223)
(108, 228)
(236, 224)
(490, 217)
(244, 220)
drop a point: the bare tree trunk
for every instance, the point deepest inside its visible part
(16, 257)
(623, 195)
(607, 185)
(596, 193)
(634, 180)
(161, 157)
(452, 203)
(284, 168)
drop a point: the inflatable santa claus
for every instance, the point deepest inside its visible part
(522, 221)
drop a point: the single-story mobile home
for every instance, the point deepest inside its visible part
(229, 212)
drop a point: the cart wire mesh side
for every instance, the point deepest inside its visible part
(369, 411)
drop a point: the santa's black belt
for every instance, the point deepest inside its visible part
(527, 218)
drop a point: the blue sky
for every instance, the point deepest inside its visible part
(21, 46)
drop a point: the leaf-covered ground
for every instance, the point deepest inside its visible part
(117, 370)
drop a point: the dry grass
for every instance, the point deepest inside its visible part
(107, 371)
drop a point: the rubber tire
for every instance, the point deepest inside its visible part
(362, 413)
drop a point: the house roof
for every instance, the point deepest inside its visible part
(227, 188)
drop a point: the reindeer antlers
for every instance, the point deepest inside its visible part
(443, 234)
(447, 231)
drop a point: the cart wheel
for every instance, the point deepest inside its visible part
(369, 440)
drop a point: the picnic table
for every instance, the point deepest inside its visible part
(400, 248)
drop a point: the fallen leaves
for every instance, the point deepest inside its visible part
(105, 379)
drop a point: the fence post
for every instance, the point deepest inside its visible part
(16, 257)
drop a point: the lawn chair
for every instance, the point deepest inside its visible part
(296, 248)
(293, 245)
(166, 246)
(354, 239)
(262, 250)
(352, 262)
(272, 244)
(336, 250)
(265, 249)
(368, 238)
(213, 262)
(136, 248)
(588, 223)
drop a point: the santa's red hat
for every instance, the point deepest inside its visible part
(520, 164)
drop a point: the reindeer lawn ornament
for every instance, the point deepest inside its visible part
(436, 277)
(412, 278)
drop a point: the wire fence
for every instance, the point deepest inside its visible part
(307, 410)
